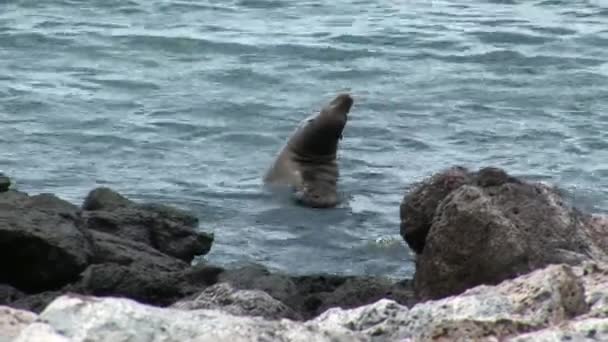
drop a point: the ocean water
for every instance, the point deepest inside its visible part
(187, 103)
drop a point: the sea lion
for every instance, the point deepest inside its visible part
(307, 162)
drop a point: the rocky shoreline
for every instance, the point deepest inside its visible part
(497, 258)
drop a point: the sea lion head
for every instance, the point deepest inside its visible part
(319, 135)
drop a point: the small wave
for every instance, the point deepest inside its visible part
(320, 53)
(263, 4)
(247, 138)
(183, 45)
(508, 57)
(243, 75)
(123, 84)
(34, 40)
(505, 37)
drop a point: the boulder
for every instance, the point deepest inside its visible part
(494, 313)
(42, 246)
(169, 230)
(492, 227)
(37, 302)
(104, 198)
(9, 294)
(78, 318)
(418, 207)
(108, 248)
(5, 183)
(238, 302)
(12, 321)
(136, 282)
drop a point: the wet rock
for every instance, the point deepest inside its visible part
(113, 319)
(258, 277)
(488, 227)
(311, 295)
(5, 183)
(238, 302)
(201, 275)
(9, 294)
(418, 207)
(42, 246)
(112, 249)
(103, 198)
(169, 230)
(37, 302)
(170, 213)
(359, 291)
(12, 321)
(144, 285)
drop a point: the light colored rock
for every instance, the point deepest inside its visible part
(527, 303)
(595, 280)
(79, 319)
(586, 330)
(12, 321)
(549, 304)
(238, 302)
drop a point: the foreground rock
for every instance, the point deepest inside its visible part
(12, 321)
(483, 227)
(557, 301)
(72, 318)
(238, 302)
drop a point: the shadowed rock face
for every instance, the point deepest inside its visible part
(128, 249)
(169, 230)
(42, 245)
(418, 207)
(472, 228)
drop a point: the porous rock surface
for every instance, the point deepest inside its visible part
(12, 321)
(558, 301)
(72, 318)
(238, 302)
(472, 228)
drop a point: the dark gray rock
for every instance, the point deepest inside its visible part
(496, 228)
(103, 198)
(258, 277)
(108, 248)
(309, 296)
(169, 230)
(42, 246)
(5, 183)
(418, 207)
(36, 302)
(144, 285)
(9, 294)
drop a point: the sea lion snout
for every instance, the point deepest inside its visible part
(342, 103)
